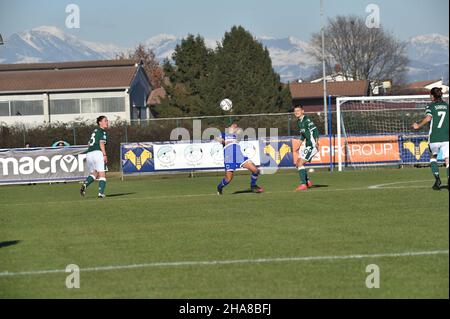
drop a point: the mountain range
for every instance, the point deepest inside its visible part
(428, 54)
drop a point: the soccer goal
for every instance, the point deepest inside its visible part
(376, 131)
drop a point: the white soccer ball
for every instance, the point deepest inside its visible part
(226, 104)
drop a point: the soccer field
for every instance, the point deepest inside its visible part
(173, 237)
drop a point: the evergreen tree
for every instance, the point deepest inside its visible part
(185, 89)
(241, 70)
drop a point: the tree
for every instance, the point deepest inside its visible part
(151, 64)
(241, 70)
(362, 53)
(185, 88)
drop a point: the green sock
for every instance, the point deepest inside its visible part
(102, 185)
(435, 169)
(89, 180)
(303, 176)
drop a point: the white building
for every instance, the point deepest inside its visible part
(426, 86)
(41, 93)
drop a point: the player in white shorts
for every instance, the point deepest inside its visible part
(437, 115)
(96, 157)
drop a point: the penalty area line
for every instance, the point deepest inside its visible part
(380, 186)
(228, 262)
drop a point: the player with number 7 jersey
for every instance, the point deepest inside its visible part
(438, 110)
(436, 114)
(96, 157)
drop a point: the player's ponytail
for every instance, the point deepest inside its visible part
(436, 93)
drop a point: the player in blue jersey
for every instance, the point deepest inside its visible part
(234, 159)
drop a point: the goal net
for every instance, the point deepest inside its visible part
(376, 131)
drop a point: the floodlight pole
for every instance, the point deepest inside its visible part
(325, 110)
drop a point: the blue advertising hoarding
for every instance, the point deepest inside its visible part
(270, 152)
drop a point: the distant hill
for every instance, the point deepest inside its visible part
(428, 54)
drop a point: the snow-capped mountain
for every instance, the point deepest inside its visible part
(428, 54)
(431, 47)
(50, 44)
(164, 45)
(289, 55)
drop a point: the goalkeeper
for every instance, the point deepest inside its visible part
(436, 113)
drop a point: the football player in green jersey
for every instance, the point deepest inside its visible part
(96, 158)
(436, 113)
(310, 135)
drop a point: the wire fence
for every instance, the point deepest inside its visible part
(160, 129)
(151, 130)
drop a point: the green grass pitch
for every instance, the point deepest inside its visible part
(157, 223)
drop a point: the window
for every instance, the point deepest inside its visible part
(27, 108)
(4, 108)
(108, 104)
(65, 106)
(86, 106)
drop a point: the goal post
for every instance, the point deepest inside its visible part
(376, 130)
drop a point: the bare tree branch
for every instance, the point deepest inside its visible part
(151, 64)
(362, 53)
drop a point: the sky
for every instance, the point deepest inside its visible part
(127, 23)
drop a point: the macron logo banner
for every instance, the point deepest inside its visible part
(40, 165)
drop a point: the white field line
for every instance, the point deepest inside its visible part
(228, 262)
(80, 201)
(396, 183)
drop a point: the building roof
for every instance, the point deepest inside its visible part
(342, 88)
(421, 84)
(66, 76)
